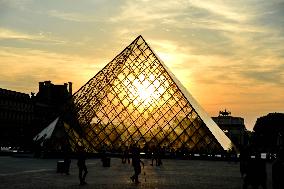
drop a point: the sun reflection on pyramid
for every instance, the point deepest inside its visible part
(135, 99)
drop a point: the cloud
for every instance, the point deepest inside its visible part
(142, 12)
(31, 66)
(7, 34)
(273, 75)
(220, 8)
(72, 16)
(227, 26)
(16, 4)
(188, 14)
(213, 25)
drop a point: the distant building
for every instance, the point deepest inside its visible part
(49, 103)
(23, 116)
(269, 132)
(233, 127)
(16, 115)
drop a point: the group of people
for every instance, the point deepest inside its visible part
(252, 167)
(155, 153)
(83, 171)
(156, 156)
(81, 163)
(134, 152)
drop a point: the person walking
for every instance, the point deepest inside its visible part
(82, 165)
(136, 163)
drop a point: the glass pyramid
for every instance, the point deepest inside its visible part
(135, 99)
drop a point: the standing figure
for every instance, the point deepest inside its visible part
(136, 164)
(244, 159)
(154, 156)
(67, 160)
(159, 156)
(125, 156)
(82, 165)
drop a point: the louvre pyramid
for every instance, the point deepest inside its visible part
(135, 99)
(59, 135)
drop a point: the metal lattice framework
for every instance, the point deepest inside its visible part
(136, 99)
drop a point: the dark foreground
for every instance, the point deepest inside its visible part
(188, 174)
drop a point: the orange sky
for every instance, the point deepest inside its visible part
(228, 54)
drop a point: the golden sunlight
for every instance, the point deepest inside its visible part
(144, 91)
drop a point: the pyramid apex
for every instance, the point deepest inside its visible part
(140, 37)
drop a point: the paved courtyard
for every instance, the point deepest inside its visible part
(188, 174)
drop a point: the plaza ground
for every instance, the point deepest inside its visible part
(28, 172)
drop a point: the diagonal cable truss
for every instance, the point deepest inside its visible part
(135, 99)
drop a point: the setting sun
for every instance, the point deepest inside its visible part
(144, 92)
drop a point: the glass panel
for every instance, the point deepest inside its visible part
(135, 100)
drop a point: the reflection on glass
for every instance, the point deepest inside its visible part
(134, 100)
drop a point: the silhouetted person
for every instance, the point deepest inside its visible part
(39, 147)
(136, 164)
(244, 159)
(278, 171)
(125, 155)
(154, 157)
(82, 165)
(255, 174)
(159, 156)
(37, 150)
(67, 160)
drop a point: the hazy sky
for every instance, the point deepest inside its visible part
(228, 54)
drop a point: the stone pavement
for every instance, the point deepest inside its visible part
(186, 174)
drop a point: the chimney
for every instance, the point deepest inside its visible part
(70, 87)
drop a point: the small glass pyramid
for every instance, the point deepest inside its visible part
(135, 99)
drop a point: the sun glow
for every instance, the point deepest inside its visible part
(144, 91)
